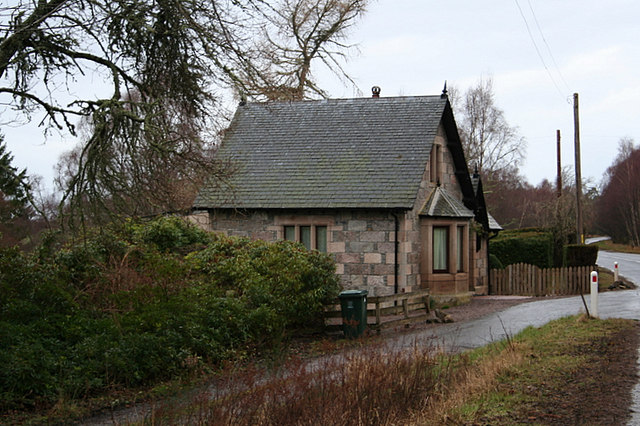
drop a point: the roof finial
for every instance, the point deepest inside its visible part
(243, 99)
(375, 90)
(445, 94)
(475, 171)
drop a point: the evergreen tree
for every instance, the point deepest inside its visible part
(15, 209)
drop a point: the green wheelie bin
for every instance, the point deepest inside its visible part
(353, 304)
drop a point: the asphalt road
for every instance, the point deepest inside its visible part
(497, 326)
(629, 267)
(628, 264)
(494, 327)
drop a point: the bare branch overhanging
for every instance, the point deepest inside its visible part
(163, 58)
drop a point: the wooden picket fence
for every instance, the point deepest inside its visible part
(529, 280)
(385, 311)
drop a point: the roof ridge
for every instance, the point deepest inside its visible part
(358, 99)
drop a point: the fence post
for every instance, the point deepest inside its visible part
(594, 294)
(615, 272)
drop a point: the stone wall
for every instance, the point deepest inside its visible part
(362, 242)
(364, 250)
(480, 267)
(417, 246)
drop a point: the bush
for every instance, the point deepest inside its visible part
(129, 307)
(295, 282)
(170, 233)
(580, 255)
(494, 262)
(524, 246)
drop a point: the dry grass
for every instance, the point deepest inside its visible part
(380, 386)
(469, 383)
(623, 248)
(554, 374)
(372, 386)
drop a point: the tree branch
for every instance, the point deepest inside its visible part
(14, 42)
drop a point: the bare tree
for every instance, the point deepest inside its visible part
(488, 140)
(619, 204)
(300, 31)
(103, 182)
(163, 60)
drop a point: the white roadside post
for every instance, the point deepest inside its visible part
(594, 294)
(615, 272)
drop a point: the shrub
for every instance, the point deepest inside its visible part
(127, 307)
(85, 263)
(295, 282)
(494, 262)
(524, 246)
(170, 233)
(580, 255)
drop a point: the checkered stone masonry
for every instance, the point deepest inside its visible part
(361, 242)
(369, 248)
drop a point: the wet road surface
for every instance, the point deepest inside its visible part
(628, 267)
(495, 327)
(456, 337)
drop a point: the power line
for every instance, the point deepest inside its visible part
(535, 18)
(562, 95)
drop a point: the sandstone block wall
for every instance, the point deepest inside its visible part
(362, 242)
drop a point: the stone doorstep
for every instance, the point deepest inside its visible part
(481, 290)
(452, 299)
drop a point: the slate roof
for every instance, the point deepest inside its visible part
(493, 224)
(441, 203)
(337, 153)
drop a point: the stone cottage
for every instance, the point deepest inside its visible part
(380, 183)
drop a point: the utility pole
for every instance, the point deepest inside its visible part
(559, 178)
(576, 130)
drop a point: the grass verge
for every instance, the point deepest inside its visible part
(605, 278)
(609, 245)
(570, 371)
(554, 374)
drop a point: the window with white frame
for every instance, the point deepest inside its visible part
(313, 237)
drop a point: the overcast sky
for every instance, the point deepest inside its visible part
(410, 47)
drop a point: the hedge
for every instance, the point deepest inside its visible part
(580, 255)
(494, 262)
(524, 246)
